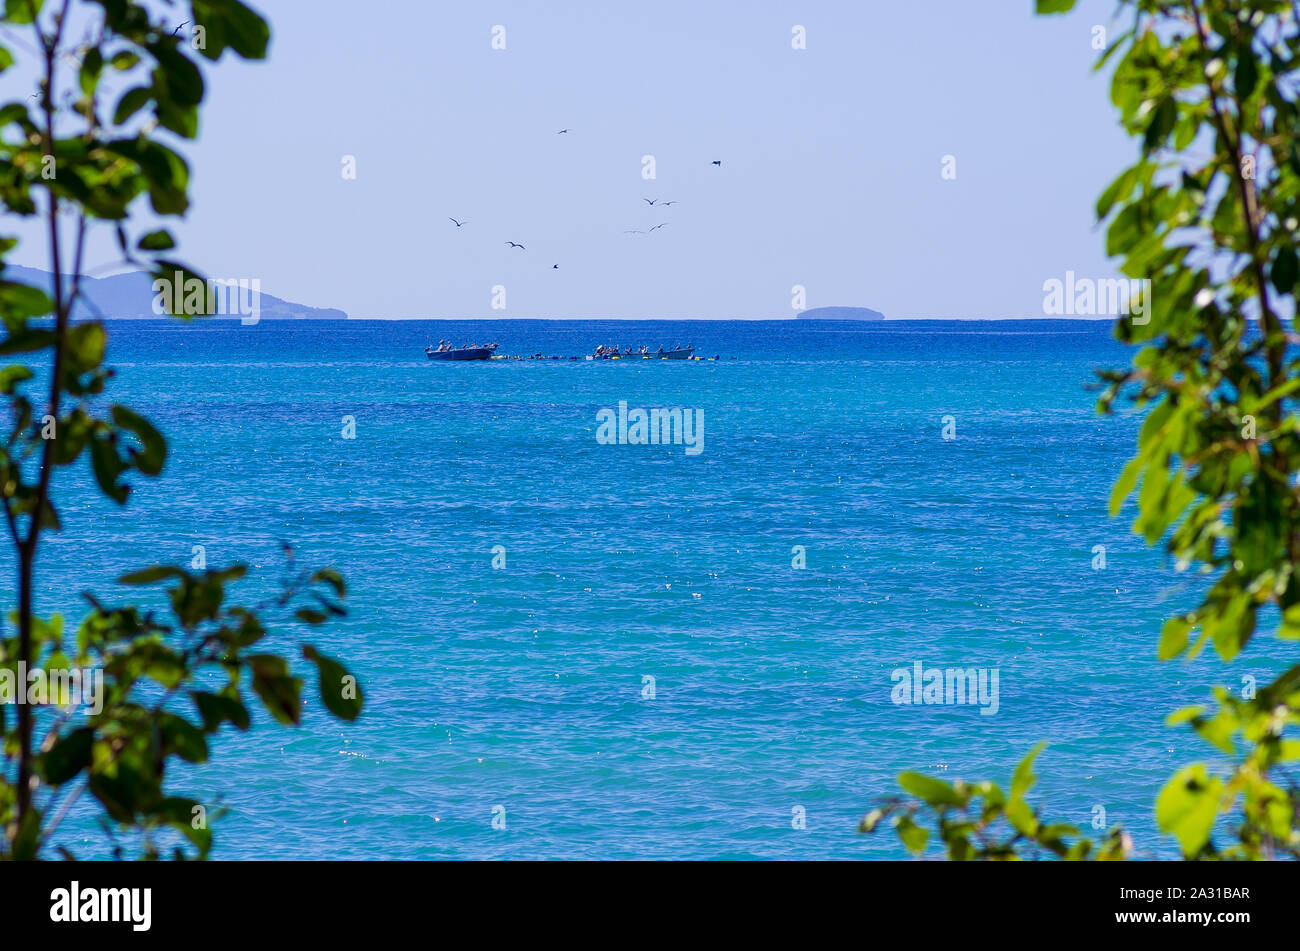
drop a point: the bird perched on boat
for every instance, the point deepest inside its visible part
(514, 245)
(457, 223)
(718, 162)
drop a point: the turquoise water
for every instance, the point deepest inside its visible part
(523, 687)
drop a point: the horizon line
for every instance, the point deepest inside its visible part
(829, 320)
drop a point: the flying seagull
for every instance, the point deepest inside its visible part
(562, 132)
(649, 200)
(519, 246)
(718, 163)
(178, 29)
(658, 226)
(457, 223)
(667, 203)
(555, 267)
(635, 232)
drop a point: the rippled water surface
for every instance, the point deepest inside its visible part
(524, 687)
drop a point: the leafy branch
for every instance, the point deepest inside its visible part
(1214, 479)
(97, 144)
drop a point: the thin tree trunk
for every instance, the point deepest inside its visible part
(25, 559)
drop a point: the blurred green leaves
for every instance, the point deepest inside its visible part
(96, 147)
(1207, 213)
(978, 822)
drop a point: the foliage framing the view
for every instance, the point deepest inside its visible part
(1208, 214)
(114, 84)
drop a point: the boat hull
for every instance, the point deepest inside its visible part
(681, 354)
(466, 353)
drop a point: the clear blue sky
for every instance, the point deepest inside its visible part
(831, 157)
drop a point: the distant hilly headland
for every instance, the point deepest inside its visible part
(131, 295)
(841, 313)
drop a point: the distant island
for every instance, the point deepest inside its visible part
(131, 295)
(841, 313)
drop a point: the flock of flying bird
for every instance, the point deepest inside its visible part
(652, 202)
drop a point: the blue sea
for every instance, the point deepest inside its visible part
(649, 675)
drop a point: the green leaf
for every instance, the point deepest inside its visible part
(913, 836)
(132, 101)
(181, 118)
(278, 691)
(1246, 75)
(1290, 627)
(339, 690)
(11, 376)
(183, 738)
(91, 66)
(1285, 270)
(230, 24)
(871, 820)
(151, 575)
(23, 11)
(160, 240)
(333, 579)
(1125, 484)
(27, 341)
(178, 76)
(1188, 806)
(25, 300)
(69, 756)
(84, 346)
(1162, 122)
(1021, 817)
(1054, 6)
(150, 459)
(934, 791)
(27, 841)
(1173, 638)
(1230, 624)
(1184, 715)
(1023, 779)
(216, 708)
(1118, 190)
(165, 172)
(107, 467)
(13, 112)
(180, 815)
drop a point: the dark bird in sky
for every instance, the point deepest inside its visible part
(718, 163)
(457, 223)
(634, 232)
(667, 203)
(562, 132)
(555, 267)
(178, 29)
(514, 245)
(648, 200)
(658, 226)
